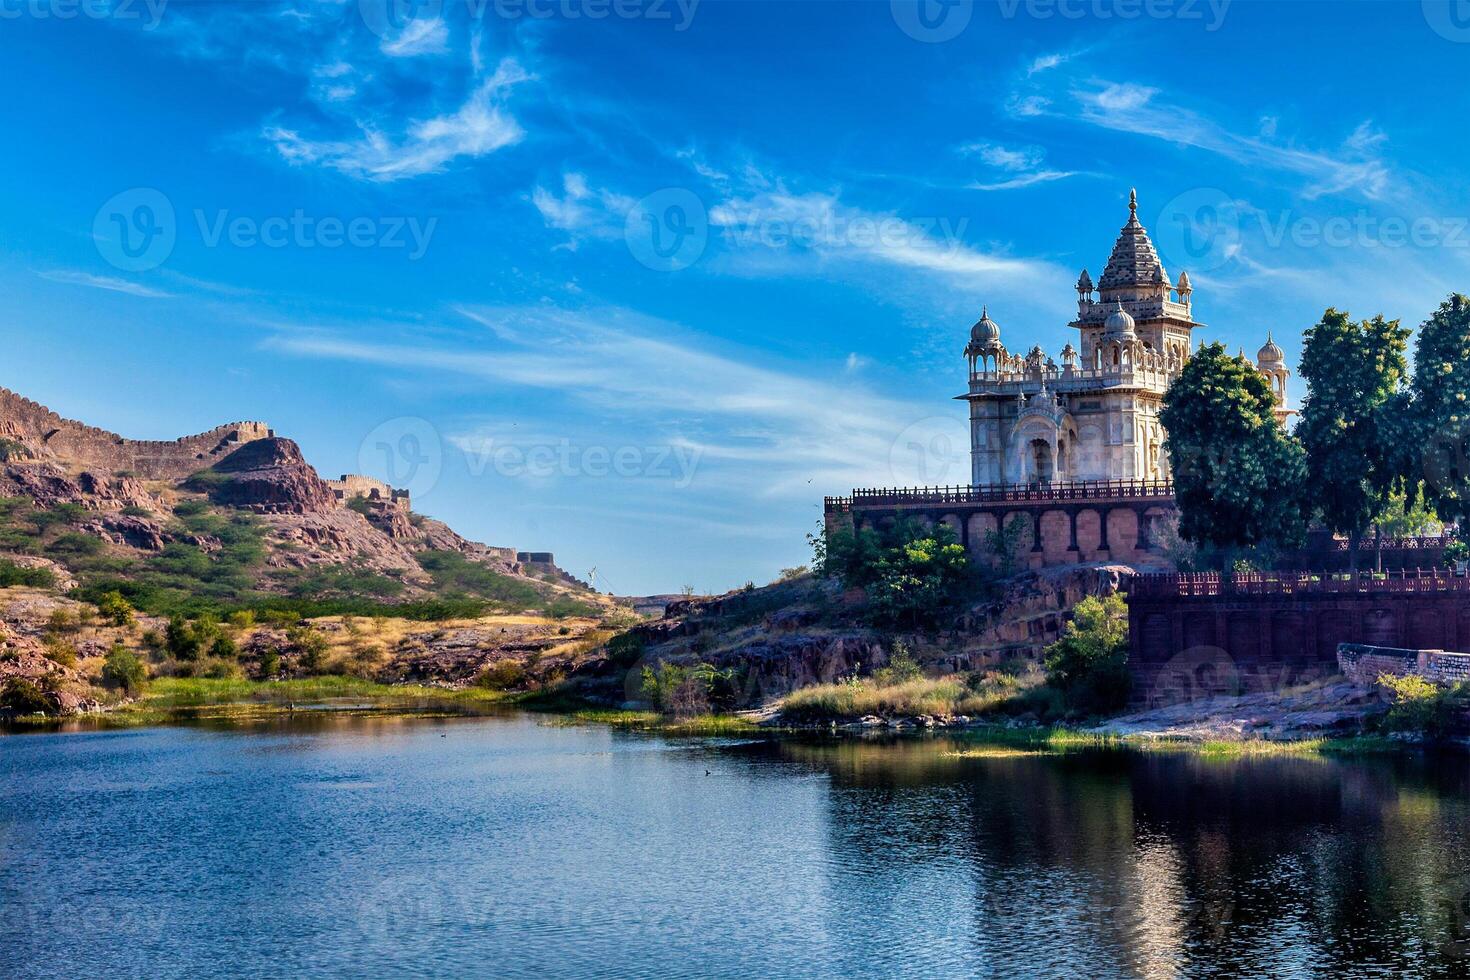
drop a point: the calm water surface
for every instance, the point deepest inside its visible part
(370, 846)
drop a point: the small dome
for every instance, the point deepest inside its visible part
(1184, 284)
(1084, 282)
(1119, 323)
(985, 333)
(1270, 354)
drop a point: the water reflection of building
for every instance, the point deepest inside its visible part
(1149, 865)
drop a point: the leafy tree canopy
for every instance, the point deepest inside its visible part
(1238, 477)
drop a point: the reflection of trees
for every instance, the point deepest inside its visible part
(1149, 864)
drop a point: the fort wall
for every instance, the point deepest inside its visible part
(375, 491)
(1200, 635)
(47, 434)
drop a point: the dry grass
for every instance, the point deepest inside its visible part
(923, 696)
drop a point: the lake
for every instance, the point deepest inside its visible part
(515, 847)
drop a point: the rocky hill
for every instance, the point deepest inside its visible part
(789, 635)
(232, 516)
(235, 526)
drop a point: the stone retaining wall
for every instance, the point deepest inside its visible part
(1363, 663)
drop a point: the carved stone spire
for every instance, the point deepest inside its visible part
(1134, 262)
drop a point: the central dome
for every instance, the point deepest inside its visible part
(1119, 324)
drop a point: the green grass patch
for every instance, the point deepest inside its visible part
(187, 692)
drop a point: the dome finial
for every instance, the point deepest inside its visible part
(1133, 200)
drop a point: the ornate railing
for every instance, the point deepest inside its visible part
(1190, 584)
(1000, 493)
(1420, 542)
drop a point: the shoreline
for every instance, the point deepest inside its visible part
(173, 702)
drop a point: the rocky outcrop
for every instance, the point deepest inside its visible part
(269, 476)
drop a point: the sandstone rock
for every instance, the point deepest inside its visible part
(270, 476)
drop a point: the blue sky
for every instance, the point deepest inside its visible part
(640, 289)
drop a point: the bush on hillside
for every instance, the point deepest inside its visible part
(123, 670)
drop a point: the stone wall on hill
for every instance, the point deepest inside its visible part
(47, 435)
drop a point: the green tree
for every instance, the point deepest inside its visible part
(1354, 374)
(1238, 477)
(917, 579)
(123, 670)
(115, 608)
(180, 640)
(24, 697)
(1089, 664)
(1440, 415)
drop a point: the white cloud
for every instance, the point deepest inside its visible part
(109, 283)
(771, 427)
(478, 127)
(422, 35)
(1129, 107)
(1021, 163)
(582, 211)
(1025, 180)
(1046, 62)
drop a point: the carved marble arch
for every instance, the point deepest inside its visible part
(1033, 450)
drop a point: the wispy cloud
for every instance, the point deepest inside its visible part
(109, 283)
(786, 431)
(421, 35)
(1355, 167)
(478, 127)
(1023, 163)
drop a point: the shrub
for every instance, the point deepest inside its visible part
(902, 667)
(61, 652)
(1089, 664)
(242, 619)
(180, 641)
(224, 648)
(793, 573)
(23, 697)
(625, 649)
(1424, 708)
(115, 609)
(310, 646)
(688, 691)
(123, 670)
(60, 622)
(13, 574)
(270, 663)
(502, 675)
